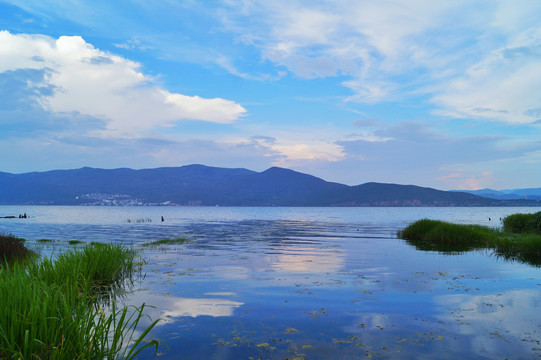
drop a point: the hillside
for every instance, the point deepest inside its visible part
(210, 186)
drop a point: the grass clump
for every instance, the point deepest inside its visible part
(12, 248)
(175, 241)
(75, 242)
(53, 309)
(523, 223)
(442, 236)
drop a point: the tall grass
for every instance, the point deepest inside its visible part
(12, 248)
(523, 223)
(442, 236)
(54, 309)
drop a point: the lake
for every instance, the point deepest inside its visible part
(308, 283)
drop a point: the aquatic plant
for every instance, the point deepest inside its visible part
(75, 242)
(447, 237)
(53, 309)
(523, 223)
(141, 220)
(448, 234)
(12, 248)
(178, 240)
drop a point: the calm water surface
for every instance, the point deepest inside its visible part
(309, 283)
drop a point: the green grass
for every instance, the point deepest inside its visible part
(179, 240)
(54, 309)
(446, 237)
(75, 242)
(523, 223)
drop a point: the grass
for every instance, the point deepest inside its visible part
(12, 249)
(523, 223)
(178, 240)
(54, 309)
(446, 237)
(75, 242)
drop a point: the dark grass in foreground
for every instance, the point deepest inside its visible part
(52, 309)
(447, 237)
(12, 248)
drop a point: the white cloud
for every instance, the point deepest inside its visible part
(474, 59)
(92, 82)
(504, 86)
(366, 40)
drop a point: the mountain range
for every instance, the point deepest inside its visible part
(510, 194)
(211, 186)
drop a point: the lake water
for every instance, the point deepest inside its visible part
(309, 283)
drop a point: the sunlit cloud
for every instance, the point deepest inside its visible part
(87, 81)
(468, 181)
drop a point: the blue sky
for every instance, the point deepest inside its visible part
(445, 94)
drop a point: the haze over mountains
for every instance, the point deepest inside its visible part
(211, 186)
(510, 194)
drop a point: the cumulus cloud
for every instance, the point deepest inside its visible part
(89, 82)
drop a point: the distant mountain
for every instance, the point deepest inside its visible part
(510, 194)
(210, 186)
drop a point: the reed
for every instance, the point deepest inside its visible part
(53, 309)
(447, 237)
(13, 248)
(523, 223)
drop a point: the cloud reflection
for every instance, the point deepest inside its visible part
(307, 260)
(169, 307)
(512, 314)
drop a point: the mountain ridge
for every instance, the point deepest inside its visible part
(198, 184)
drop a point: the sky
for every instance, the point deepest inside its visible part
(443, 94)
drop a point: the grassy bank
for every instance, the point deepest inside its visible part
(523, 243)
(54, 309)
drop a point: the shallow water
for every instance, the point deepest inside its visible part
(313, 283)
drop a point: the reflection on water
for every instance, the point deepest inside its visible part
(169, 307)
(273, 283)
(308, 260)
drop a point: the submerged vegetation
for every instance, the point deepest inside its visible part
(174, 241)
(519, 240)
(65, 308)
